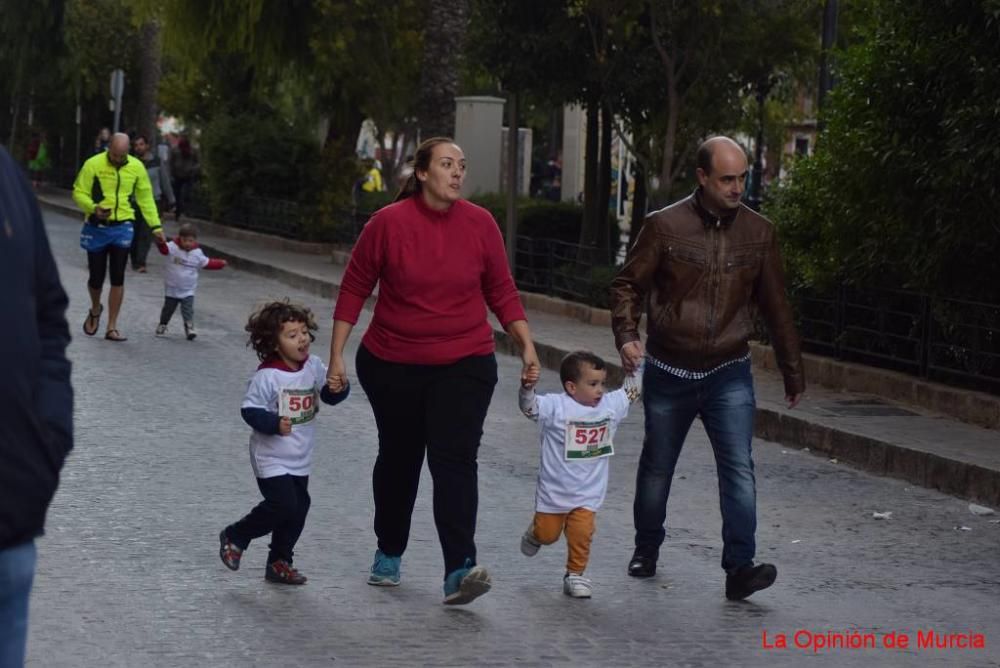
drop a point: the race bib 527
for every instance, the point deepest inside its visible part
(588, 439)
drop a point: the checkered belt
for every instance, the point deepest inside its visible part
(693, 375)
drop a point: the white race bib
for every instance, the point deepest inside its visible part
(299, 405)
(588, 439)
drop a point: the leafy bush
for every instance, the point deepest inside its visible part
(543, 219)
(260, 155)
(903, 187)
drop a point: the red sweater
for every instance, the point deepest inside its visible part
(437, 272)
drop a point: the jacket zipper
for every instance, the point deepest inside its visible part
(118, 184)
(715, 281)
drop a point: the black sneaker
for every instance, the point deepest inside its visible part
(643, 564)
(748, 579)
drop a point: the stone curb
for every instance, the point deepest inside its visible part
(874, 455)
(881, 457)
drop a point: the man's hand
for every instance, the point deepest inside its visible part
(285, 426)
(793, 399)
(101, 213)
(632, 354)
(160, 238)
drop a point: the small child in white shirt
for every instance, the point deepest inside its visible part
(280, 405)
(577, 431)
(180, 278)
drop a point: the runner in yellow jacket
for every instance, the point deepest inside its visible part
(108, 189)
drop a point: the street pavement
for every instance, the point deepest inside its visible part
(128, 572)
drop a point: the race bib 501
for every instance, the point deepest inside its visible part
(299, 405)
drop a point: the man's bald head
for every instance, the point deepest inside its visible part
(712, 145)
(722, 171)
(118, 148)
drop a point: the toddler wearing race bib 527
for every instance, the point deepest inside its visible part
(578, 426)
(280, 405)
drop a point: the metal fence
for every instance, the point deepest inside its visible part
(279, 217)
(561, 269)
(949, 340)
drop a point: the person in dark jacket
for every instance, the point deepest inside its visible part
(36, 398)
(700, 269)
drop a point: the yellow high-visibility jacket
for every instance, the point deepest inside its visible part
(120, 189)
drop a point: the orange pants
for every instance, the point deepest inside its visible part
(578, 525)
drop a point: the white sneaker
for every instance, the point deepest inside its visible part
(576, 586)
(529, 544)
(161, 330)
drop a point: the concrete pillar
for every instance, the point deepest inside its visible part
(478, 123)
(573, 147)
(524, 143)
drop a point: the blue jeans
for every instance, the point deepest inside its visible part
(725, 402)
(17, 569)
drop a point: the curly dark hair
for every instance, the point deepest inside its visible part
(265, 324)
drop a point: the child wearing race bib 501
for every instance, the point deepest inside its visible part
(280, 405)
(577, 431)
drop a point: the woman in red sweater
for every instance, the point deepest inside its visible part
(427, 360)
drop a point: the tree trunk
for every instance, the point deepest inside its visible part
(603, 204)
(670, 138)
(150, 55)
(16, 94)
(638, 203)
(444, 39)
(588, 231)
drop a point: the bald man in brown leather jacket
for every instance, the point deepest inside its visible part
(700, 269)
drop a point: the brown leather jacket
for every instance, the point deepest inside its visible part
(700, 279)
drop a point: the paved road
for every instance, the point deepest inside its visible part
(128, 573)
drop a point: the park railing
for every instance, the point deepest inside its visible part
(562, 269)
(944, 339)
(289, 219)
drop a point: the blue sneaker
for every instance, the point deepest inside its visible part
(463, 585)
(385, 570)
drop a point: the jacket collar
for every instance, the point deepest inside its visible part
(107, 156)
(275, 362)
(708, 218)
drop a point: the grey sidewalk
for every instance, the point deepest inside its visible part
(870, 432)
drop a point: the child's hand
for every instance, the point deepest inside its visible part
(530, 376)
(336, 382)
(285, 426)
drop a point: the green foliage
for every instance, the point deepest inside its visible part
(258, 155)
(903, 187)
(543, 219)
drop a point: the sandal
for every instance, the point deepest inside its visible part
(92, 322)
(115, 335)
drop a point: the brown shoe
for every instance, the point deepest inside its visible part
(229, 552)
(281, 571)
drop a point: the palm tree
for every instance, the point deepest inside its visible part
(151, 56)
(444, 38)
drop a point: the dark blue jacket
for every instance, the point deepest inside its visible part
(36, 398)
